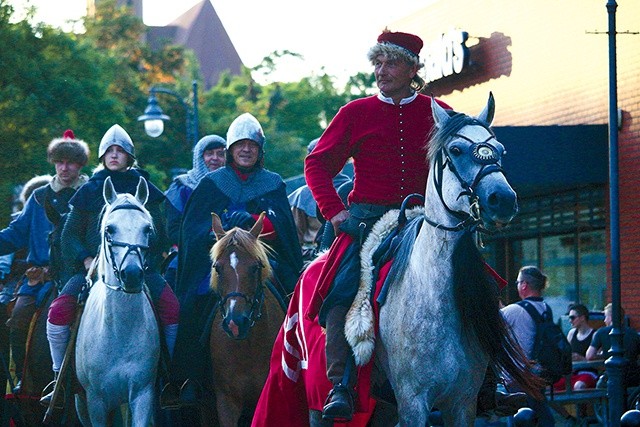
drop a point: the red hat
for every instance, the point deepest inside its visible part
(407, 41)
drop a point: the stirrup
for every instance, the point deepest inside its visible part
(170, 397)
(345, 403)
(45, 400)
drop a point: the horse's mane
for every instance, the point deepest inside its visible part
(476, 297)
(440, 135)
(240, 238)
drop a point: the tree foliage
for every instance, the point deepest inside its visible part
(51, 80)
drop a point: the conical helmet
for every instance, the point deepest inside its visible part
(245, 126)
(116, 135)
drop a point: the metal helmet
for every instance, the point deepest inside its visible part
(245, 126)
(116, 135)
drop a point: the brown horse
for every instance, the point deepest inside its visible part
(37, 371)
(250, 316)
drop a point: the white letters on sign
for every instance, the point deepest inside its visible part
(447, 55)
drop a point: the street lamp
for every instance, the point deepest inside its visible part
(154, 118)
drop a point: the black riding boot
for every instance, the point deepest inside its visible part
(491, 400)
(340, 368)
(18, 324)
(18, 343)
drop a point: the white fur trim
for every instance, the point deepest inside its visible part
(360, 325)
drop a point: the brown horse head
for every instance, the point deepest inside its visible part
(240, 267)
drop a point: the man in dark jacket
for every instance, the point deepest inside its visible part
(237, 193)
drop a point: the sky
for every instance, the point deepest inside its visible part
(333, 35)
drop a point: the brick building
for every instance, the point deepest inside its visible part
(549, 74)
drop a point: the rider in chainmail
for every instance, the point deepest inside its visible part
(237, 193)
(81, 240)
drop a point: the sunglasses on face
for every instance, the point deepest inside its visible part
(572, 317)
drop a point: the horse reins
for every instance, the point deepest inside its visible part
(134, 249)
(256, 303)
(484, 154)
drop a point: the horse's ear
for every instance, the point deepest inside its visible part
(108, 191)
(257, 227)
(142, 191)
(216, 225)
(440, 115)
(487, 114)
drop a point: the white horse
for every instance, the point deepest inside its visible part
(118, 344)
(440, 326)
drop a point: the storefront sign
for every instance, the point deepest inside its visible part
(446, 56)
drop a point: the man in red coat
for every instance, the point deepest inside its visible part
(385, 135)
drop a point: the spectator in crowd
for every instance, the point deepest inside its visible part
(579, 336)
(531, 283)
(600, 348)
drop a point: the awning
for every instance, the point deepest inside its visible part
(545, 159)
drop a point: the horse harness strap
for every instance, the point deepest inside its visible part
(132, 248)
(256, 303)
(483, 154)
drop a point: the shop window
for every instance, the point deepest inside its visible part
(564, 234)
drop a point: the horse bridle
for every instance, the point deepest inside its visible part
(482, 153)
(255, 304)
(136, 250)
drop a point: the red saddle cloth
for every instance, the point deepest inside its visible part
(297, 380)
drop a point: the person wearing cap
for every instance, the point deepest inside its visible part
(208, 155)
(237, 193)
(81, 240)
(30, 230)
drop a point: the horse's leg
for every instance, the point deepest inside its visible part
(414, 412)
(82, 410)
(459, 415)
(142, 407)
(98, 411)
(228, 411)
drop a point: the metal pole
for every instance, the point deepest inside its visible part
(195, 113)
(616, 363)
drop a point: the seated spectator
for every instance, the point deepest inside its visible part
(579, 336)
(601, 345)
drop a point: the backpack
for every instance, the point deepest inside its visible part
(551, 350)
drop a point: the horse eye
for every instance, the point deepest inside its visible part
(217, 267)
(456, 151)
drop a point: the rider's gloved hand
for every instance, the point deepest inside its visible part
(241, 219)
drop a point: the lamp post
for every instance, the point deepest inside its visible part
(616, 363)
(154, 118)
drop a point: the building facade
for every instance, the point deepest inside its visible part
(547, 64)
